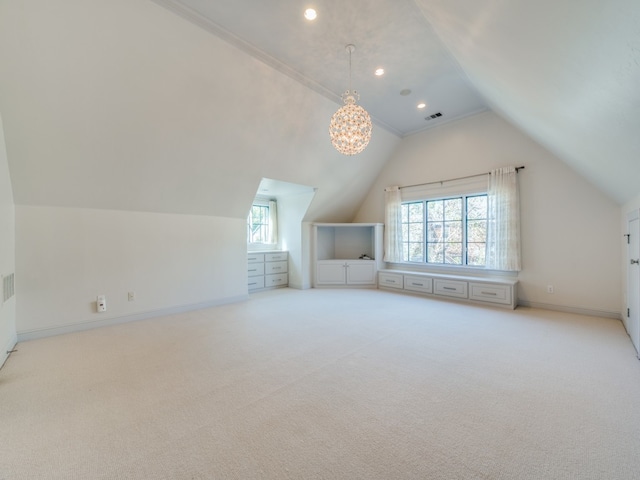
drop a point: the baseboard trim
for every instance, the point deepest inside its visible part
(35, 334)
(562, 308)
(4, 354)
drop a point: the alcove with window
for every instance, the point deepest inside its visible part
(274, 235)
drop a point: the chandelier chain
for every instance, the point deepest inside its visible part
(350, 51)
(350, 126)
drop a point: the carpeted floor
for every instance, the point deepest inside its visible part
(327, 384)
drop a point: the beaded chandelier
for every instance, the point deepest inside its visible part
(350, 127)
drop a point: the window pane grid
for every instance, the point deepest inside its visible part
(476, 230)
(448, 231)
(258, 223)
(444, 231)
(413, 232)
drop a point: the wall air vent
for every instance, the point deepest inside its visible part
(8, 287)
(434, 116)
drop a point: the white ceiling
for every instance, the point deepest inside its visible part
(565, 71)
(392, 34)
(126, 105)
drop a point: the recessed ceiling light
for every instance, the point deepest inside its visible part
(379, 72)
(405, 92)
(422, 105)
(310, 14)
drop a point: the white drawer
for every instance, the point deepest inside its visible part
(275, 280)
(391, 280)
(490, 293)
(275, 267)
(418, 283)
(256, 282)
(276, 257)
(450, 288)
(255, 257)
(254, 269)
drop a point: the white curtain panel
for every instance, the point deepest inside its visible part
(503, 220)
(393, 225)
(273, 222)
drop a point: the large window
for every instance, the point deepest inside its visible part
(446, 231)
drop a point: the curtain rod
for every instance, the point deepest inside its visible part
(453, 179)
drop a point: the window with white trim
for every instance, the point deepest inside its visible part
(445, 231)
(262, 223)
(258, 223)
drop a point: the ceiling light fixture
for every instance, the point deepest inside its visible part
(350, 127)
(422, 105)
(380, 72)
(310, 14)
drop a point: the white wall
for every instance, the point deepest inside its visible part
(121, 107)
(291, 211)
(124, 105)
(7, 252)
(570, 229)
(65, 257)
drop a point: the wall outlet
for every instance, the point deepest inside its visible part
(549, 288)
(101, 303)
(132, 296)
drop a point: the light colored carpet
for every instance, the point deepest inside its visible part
(327, 384)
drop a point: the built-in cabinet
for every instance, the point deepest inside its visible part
(501, 292)
(346, 272)
(267, 270)
(346, 254)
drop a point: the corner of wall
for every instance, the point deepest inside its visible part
(8, 336)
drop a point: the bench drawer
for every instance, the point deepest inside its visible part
(391, 280)
(417, 283)
(450, 288)
(490, 293)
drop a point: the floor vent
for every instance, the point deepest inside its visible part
(8, 287)
(435, 115)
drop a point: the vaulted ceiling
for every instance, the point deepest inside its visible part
(181, 105)
(565, 71)
(389, 34)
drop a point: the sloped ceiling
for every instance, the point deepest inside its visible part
(567, 72)
(564, 71)
(124, 105)
(392, 34)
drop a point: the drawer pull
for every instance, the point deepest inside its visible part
(253, 270)
(389, 280)
(416, 284)
(254, 283)
(449, 288)
(489, 293)
(277, 268)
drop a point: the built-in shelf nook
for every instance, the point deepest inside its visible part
(347, 254)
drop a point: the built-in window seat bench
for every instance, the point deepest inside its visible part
(494, 291)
